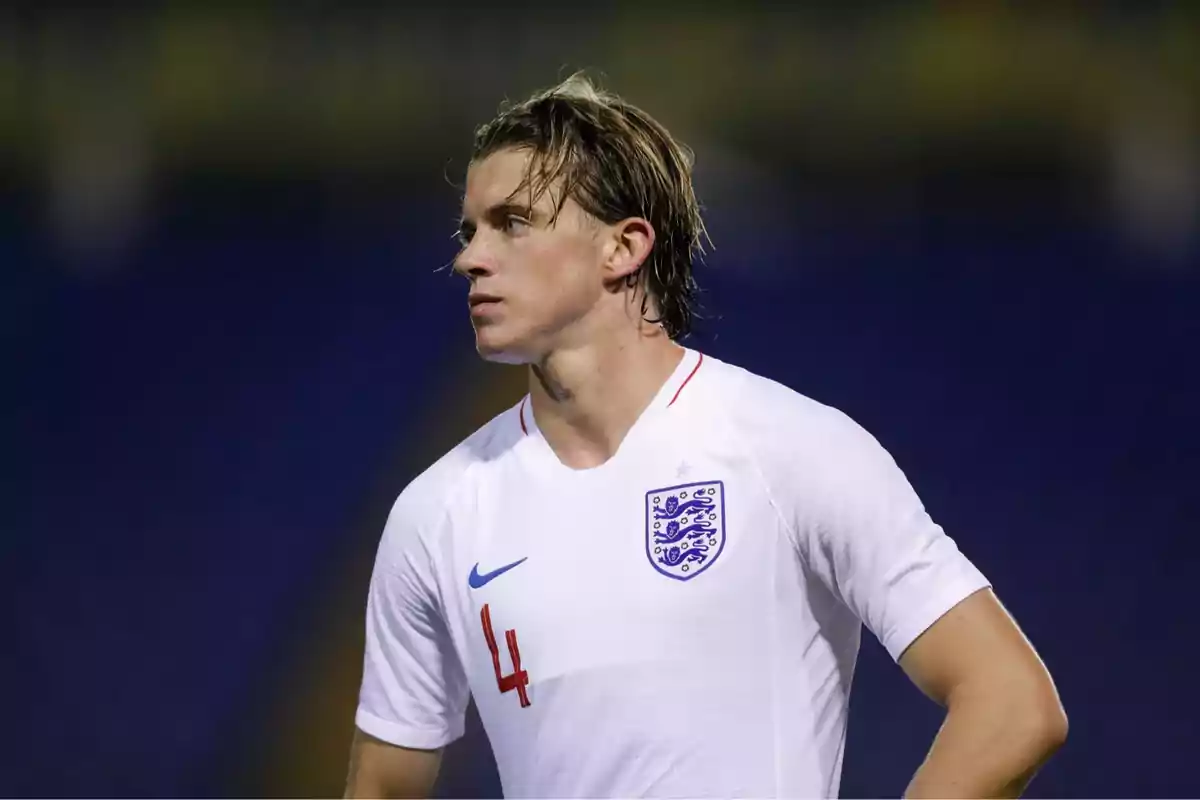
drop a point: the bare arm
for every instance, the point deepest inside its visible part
(379, 769)
(1004, 719)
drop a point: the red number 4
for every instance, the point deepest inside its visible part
(519, 678)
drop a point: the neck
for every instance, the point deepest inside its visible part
(586, 399)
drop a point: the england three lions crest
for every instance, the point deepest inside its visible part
(685, 528)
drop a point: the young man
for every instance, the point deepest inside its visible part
(652, 572)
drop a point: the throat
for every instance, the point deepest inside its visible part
(586, 407)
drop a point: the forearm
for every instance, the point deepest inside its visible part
(988, 747)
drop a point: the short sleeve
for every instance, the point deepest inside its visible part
(414, 692)
(862, 529)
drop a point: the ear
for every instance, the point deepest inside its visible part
(629, 247)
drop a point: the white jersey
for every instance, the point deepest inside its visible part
(680, 621)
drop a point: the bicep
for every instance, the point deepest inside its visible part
(379, 769)
(866, 534)
(976, 646)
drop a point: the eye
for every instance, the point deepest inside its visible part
(515, 225)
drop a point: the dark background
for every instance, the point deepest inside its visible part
(973, 228)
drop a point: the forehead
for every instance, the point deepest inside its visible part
(494, 180)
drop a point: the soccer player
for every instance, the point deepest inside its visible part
(653, 571)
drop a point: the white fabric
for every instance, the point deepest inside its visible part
(729, 680)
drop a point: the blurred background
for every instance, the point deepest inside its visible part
(974, 227)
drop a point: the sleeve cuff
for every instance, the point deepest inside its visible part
(915, 624)
(402, 735)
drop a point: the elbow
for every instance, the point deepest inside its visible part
(1044, 726)
(1037, 713)
(1028, 715)
(1052, 727)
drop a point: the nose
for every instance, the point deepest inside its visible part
(472, 262)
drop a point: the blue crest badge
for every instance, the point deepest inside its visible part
(685, 528)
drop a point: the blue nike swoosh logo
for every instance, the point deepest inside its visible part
(476, 581)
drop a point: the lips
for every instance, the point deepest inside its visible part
(483, 306)
(480, 299)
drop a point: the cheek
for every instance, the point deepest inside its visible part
(566, 274)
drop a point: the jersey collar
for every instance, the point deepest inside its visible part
(666, 397)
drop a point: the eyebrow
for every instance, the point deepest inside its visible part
(497, 213)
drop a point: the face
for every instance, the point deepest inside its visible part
(535, 280)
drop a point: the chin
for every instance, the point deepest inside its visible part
(499, 349)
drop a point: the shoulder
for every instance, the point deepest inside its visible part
(774, 419)
(813, 454)
(802, 448)
(420, 509)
